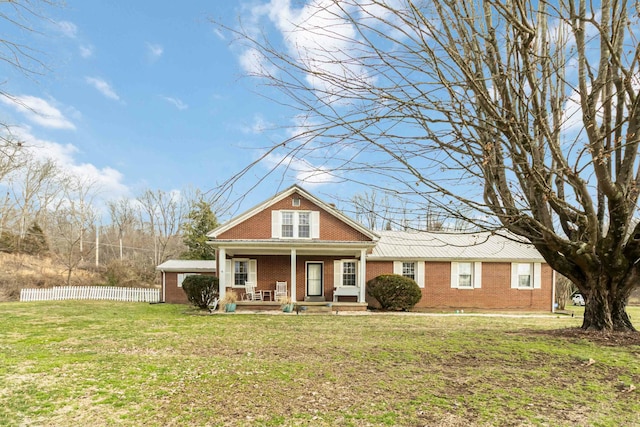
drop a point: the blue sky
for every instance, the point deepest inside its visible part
(143, 95)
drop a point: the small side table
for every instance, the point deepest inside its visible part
(267, 292)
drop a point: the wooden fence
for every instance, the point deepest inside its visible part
(109, 293)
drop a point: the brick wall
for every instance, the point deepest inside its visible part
(259, 225)
(173, 294)
(495, 293)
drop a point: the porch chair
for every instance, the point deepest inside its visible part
(250, 292)
(281, 291)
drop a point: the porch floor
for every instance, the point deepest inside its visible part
(303, 306)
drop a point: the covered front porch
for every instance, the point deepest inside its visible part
(316, 273)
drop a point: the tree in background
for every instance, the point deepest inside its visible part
(199, 221)
(521, 115)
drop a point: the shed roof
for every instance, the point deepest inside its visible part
(188, 266)
(397, 245)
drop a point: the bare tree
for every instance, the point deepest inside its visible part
(522, 115)
(161, 213)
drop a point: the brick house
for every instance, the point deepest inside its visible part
(324, 255)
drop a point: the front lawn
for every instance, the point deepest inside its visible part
(131, 364)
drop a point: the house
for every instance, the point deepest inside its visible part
(325, 256)
(173, 273)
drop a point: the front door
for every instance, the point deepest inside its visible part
(314, 279)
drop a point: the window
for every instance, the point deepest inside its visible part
(349, 273)
(303, 224)
(409, 270)
(240, 272)
(287, 224)
(464, 275)
(295, 201)
(524, 276)
(182, 276)
(295, 224)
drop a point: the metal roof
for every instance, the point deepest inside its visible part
(398, 245)
(188, 266)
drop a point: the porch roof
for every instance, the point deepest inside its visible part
(284, 247)
(187, 266)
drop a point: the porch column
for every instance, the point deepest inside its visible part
(362, 274)
(293, 274)
(222, 276)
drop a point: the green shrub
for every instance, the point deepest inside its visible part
(394, 292)
(201, 290)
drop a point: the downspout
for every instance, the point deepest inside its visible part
(164, 292)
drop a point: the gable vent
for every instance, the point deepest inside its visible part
(295, 201)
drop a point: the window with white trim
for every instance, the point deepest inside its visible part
(411, 269)
(182, 276)
(240, 270)
(287, 224)
(526, 275)
(295, 224)
(345, 272)
(466, 275)
(349, 273)
(304, 225)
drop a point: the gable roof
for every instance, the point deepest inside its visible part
(287, 193)
(188, 266)
(422, 245)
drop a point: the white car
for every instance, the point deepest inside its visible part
(577, 298)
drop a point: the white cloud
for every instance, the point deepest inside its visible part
(176, 102)
(219, 34)
(154, 51)
(38, 111)
(103, 87)
(86, 51)
(106, 179)
(69, 29)
(303, 171)
(258, 126)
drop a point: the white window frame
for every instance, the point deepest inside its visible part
(418, 268)
(182, 276)
(476, 275)
(535, 269)
(277, 223)
(338, 272)
(252, 272)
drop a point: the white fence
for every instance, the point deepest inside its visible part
(109, 293)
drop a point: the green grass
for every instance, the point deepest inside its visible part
(102, 364)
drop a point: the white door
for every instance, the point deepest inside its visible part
(314, 279)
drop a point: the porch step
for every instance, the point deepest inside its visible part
(314, 308)
(314, 299)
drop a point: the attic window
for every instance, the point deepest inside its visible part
(295, 201)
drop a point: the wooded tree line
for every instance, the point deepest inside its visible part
(45, 210)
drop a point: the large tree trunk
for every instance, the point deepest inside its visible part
(605, 311)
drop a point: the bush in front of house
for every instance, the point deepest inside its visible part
(201, 290)
(394, 292)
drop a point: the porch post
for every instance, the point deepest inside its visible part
(222, 276)
(293, 274)
(362, 274)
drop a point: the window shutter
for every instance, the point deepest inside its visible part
(253, 271)
(514, 275)
(315, 224)
(337, 273)
(276, 229)
(537, 275)
(477, 275)
(420, 273)
(454, 274)
(229, 273)
(397, 267)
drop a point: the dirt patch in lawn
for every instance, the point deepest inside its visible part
(613, 339)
